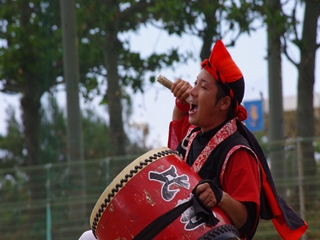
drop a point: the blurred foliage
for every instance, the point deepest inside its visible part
(32, 67)
(15, 174)
(101, 27)
(208, 20)
(53, 136)
(12, 145)
(31, 56)
(31, 64)
(103, 31)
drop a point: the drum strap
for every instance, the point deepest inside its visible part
(160, 223)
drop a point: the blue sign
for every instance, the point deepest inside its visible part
(255, 120)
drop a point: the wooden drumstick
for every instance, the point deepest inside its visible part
(164, 81)
(167, 83)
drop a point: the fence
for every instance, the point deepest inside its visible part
(42, 202)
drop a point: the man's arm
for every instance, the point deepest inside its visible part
(180, 110)
(235, 210)
(240, 184)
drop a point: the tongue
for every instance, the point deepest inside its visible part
(193, 109)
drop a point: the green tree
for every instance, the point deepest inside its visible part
(208, 20)
(76, 173)
(12, 145)
(100, 27)
(276, 22)
(14, 176)
(30, 62)
(95, 130)
(306, 42)
(53, 136)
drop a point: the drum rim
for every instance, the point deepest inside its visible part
(122, 178)
(220, 232)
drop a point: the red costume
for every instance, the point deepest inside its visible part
(232, 157)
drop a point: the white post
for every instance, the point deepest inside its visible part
(48, 203)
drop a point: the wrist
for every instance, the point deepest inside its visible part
(222, 199)
(184, 107)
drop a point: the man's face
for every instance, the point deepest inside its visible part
(205, 111)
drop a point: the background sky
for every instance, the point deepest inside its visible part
(154, 107)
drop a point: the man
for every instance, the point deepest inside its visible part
(208, 133)
(213, 141)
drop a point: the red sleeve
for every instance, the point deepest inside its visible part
(177, 131)
(241, 178)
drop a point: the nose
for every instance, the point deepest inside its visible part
(193, 91)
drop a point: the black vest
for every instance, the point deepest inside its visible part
(211, 168)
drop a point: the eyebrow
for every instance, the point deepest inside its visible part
(202, 80)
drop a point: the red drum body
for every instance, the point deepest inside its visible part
(150, 186)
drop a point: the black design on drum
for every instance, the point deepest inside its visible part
(168, 178)
(190, 220)
(194, 223)
(96, 215)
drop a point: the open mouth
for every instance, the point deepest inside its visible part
(193, 108)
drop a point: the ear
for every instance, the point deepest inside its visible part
(225, 103)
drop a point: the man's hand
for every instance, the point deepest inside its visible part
(209, 193)
(181, 90)
(206, 195)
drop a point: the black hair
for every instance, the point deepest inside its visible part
(220, 94)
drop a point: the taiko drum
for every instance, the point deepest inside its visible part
(150, 186)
